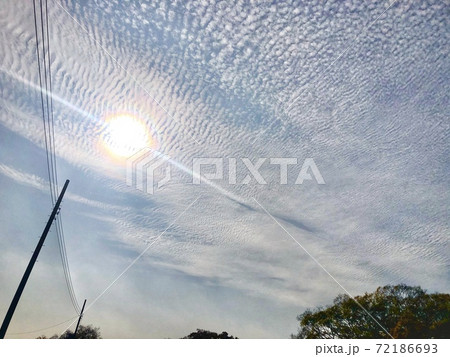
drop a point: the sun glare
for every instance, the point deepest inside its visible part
(125, 135)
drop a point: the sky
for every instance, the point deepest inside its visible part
(360, 87)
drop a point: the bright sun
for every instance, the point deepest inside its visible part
(126, 135)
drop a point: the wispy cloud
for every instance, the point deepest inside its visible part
(374, 121)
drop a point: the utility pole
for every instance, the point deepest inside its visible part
(30, 266)
(79, 319)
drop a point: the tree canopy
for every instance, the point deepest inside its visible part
(205, 334)
(84, 332)
(404, 311)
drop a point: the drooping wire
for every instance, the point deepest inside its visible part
(41, 91)
(49, 134)
(65, 261)
(59, 225)
(42, 329)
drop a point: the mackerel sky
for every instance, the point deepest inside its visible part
(362, 87)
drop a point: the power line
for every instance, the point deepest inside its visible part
(44, 328)
(49, 133)
(31, 263)
(41, 92)
(59, 225)
(65, 261)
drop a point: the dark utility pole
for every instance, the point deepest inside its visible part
(27, 273)
(79, 319)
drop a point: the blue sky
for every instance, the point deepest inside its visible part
(360, 87)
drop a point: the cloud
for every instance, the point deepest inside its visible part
(218, 80)
(40, 184)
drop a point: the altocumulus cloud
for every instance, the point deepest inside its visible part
(217, 79)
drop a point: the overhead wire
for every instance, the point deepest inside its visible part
(59, 225)
(42, 329)
(49, 134)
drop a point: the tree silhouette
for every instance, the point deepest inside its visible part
(404, 311)
(84, 332)
(205, 334)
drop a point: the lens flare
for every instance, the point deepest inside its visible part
(125, 134)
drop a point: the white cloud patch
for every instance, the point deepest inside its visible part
(245, 80)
